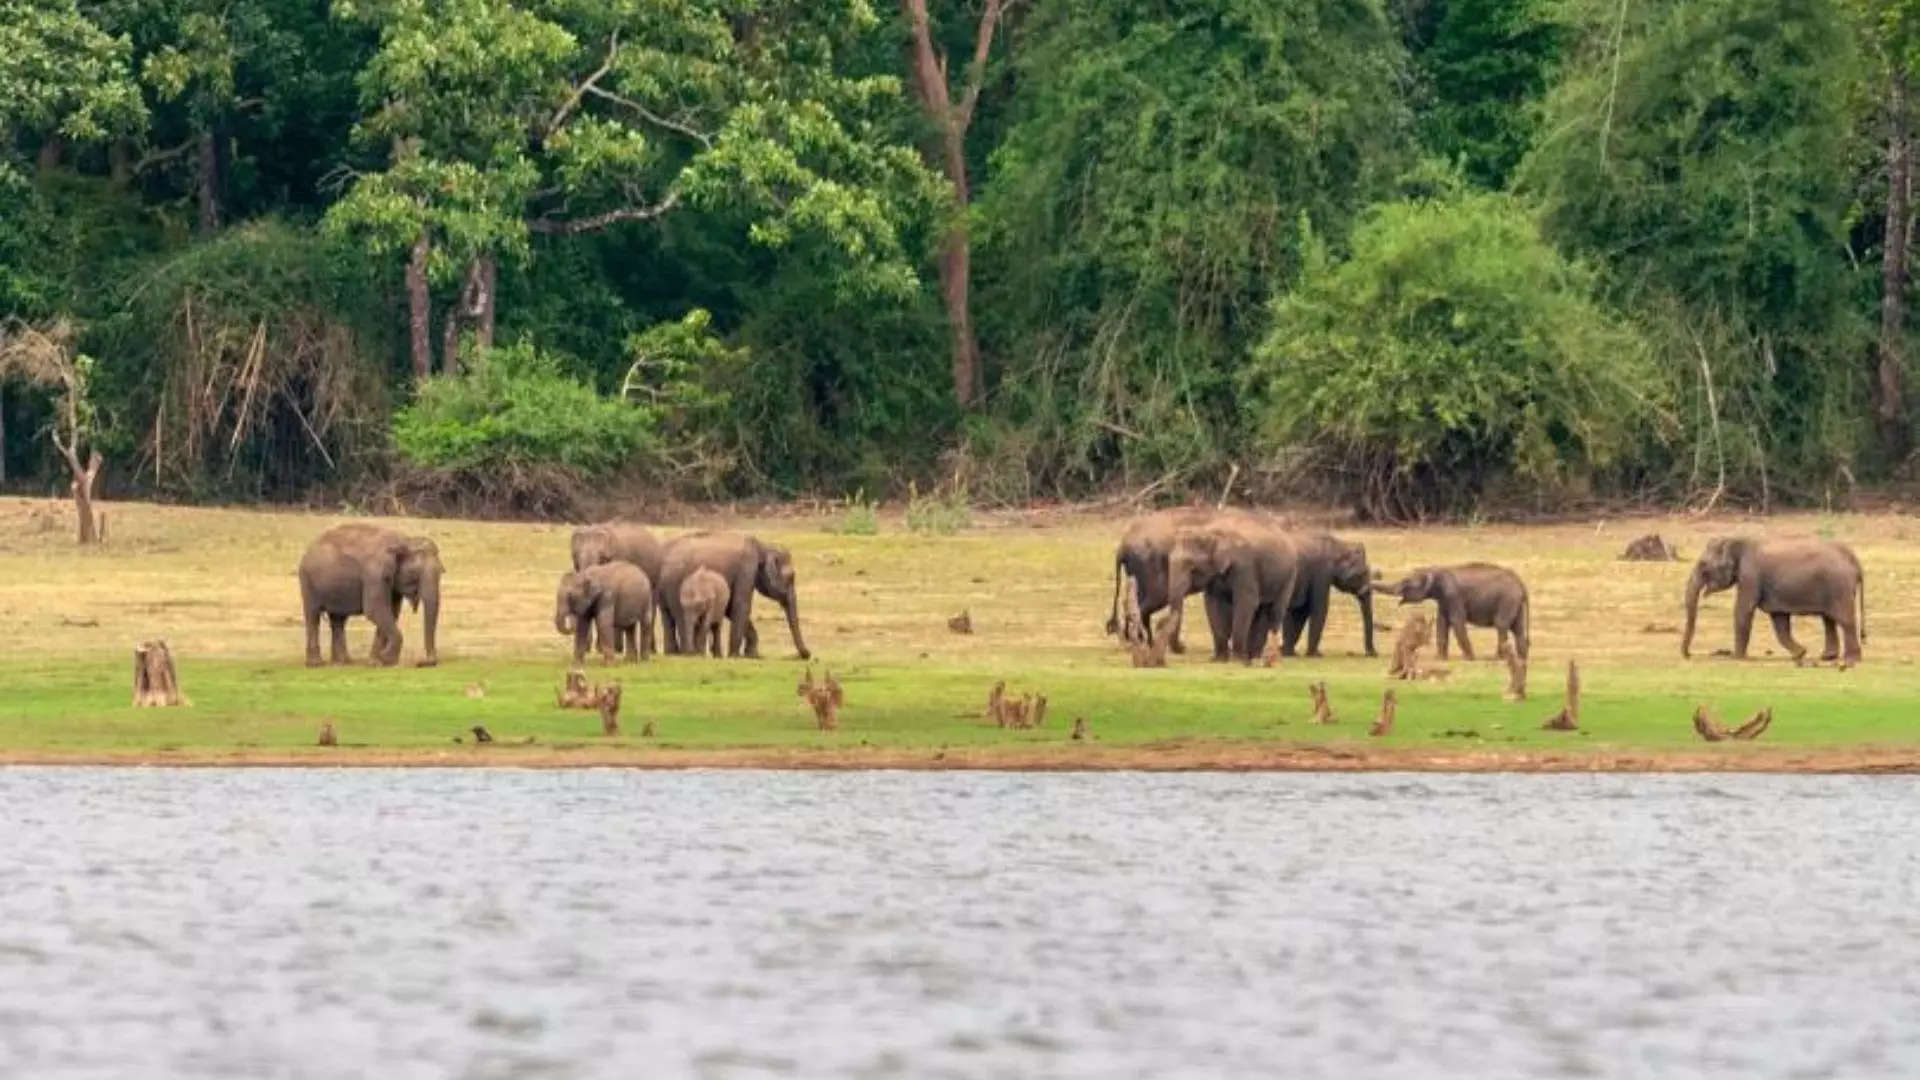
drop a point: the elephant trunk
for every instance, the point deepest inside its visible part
(1694, 586)
(792, 606)
(430, 618)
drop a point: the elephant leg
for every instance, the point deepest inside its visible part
(609, 637)
(713, 638)
(631, 636)
(1743, 608)
(1459, 621)
(311, 614)
(337, 631)
(1850, 632)
(582, 638)
(1218, 621)
(1440, 632)
(753, 641)
(1783, 629)
(1290, 626)
(1832, 632)
(1316, 624)
(1500, 639)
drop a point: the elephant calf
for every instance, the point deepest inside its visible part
(1480, 594)
(704, 599)
(617, 599)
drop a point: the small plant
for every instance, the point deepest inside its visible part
(861, 518)
(941, 514)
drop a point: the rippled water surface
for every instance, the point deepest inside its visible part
(430, 923)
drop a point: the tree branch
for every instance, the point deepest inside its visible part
(573, 100)
(651, 117)
(977, 69)
(552, 226)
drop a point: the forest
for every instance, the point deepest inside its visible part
(1419, 258)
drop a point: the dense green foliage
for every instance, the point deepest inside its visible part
(1422, 256)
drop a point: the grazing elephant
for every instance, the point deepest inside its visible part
(1479, 594)
(703, 601)
(367, 570)
(1326, 563)
(614, 598)
(621, 541)
(1783, 578)
(748, 565)
(1242, 565)
(1142, 558)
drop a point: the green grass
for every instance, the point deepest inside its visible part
(219, 586)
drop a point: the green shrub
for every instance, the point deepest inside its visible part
(1454, 350)
(514, 409)
(862, 517)
(940, 514)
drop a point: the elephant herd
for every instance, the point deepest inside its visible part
(622, 577)
(1257, 576)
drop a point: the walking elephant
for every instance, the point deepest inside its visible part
(621, 541)
(1326, 563)
(1142, 559)
(367, 570)
(1783, 578)
(1242, 565)
(748, 565)
(1480, 594)
(704, 597)
(613, 598)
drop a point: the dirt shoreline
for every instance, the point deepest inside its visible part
(1183, 757)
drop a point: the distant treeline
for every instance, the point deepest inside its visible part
(1423, 257)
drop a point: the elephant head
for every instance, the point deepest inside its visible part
(774, 579)
(1717, 568)
(416, 577)
(592, 546)
(1351, 574)
(575, 599)
(1197, 558)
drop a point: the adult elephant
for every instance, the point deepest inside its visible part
(1783, 578)
(622, 541)
(1142, 558)
(1242, 564)
(367, 570)
(1326, 563)
(1480, 594)
(749, 566)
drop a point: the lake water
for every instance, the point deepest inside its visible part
(505, 923)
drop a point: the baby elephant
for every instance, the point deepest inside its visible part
(703, 598)
(616, 598)
(1478, 593)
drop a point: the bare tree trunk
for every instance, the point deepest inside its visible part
(950, 122)
(82, 488)
(51, 153)
(1889, 408)
(489, 278)
(208, 182)
(419, 308)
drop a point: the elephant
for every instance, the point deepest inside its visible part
(1478, 594)
(367, 570)
(1142, 558)
(621, 541)
(748, 565)
(1242, 564)
(1326, 563)
(616, 599)
(703, 600)
(1783, 578)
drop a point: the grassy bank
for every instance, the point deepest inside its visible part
(219, 586)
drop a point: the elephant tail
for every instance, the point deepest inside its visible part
(1113, 616)
(1523, 632)
(1860, 590)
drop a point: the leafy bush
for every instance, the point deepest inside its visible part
(935, 513)
(1454, 349)
(862, 517)
(513, 424)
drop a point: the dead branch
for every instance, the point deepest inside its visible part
(1322, 710)
(1568, 718)
(607, 700)
(1753, 728)
(1384, 723)
(1706, 726)
(825, 698)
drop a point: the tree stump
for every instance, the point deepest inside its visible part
(576, 694)
(825, 698)
(1407, 646)
(608, 702)
(155, 684)
(1383, 724)
(1322, 710)
(1568, 718)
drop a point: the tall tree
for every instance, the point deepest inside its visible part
(509, 121)
(1891, 29)
(949, 111)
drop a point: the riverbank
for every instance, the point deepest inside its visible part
(219, 586)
